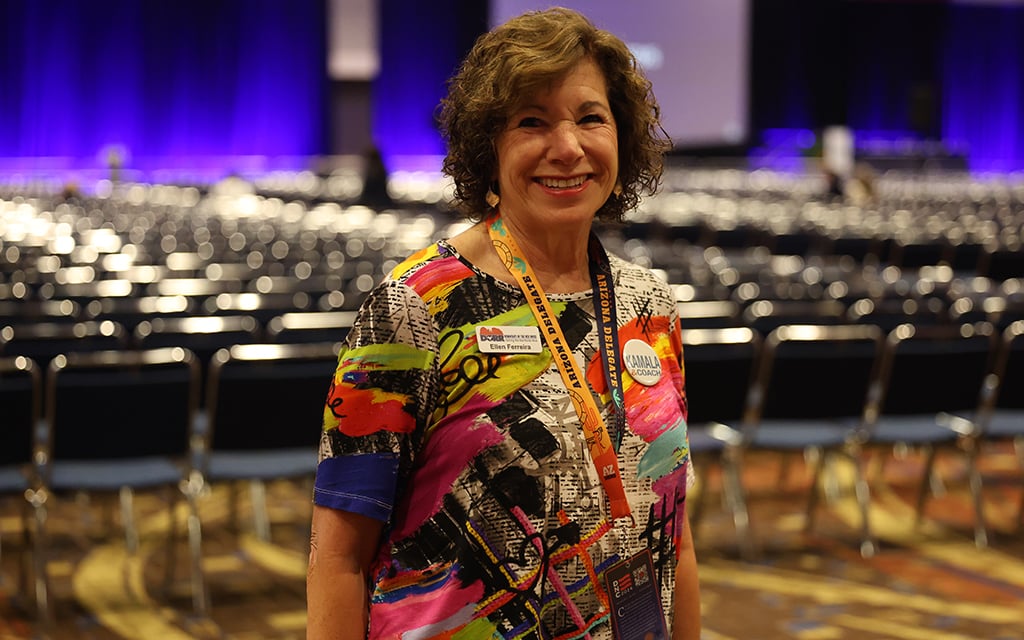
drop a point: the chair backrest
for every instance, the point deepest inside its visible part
(862, 248)
(889, 313)
(1004, 263)
(21, 392)
(269, 396)
(203, 335)
(931, 369)
(921, 251)
(32, 311)
(814, 372)
(708, 314)
(1009, 307)
(764, 316)
(262, 306)
(129, 312)
(718, 364)
(310, 327)
(1010, 367)
(41, 341)
(121, 404)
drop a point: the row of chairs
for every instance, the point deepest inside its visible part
(108, 423)
(969, 224)
(977, 257)
(113, 421)
(739, 281)
(122, 301)
(847, 390)
(170, 321)
(887, 314)
(202, 334)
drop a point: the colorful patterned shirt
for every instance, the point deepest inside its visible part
(496, 523)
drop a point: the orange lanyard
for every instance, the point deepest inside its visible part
(594, 430)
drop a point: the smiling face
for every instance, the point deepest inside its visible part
(558, 155)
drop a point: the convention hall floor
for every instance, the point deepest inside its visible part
(928, 580)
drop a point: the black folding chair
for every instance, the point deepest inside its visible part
(1000, 418)
(265, 407)
(926, 373)
(41, 341)
(766, 315)
(310, 326)
(21, 392)
(116, 422)
(719, 364)
(809, 395)
(202, 335)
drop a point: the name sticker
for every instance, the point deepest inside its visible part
(642, 362)
(508, 339)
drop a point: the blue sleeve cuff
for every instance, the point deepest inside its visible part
(363, 484)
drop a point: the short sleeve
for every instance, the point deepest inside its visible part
(378, 402)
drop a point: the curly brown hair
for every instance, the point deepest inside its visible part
(522, 56)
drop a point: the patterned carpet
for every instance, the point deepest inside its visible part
(928, 581)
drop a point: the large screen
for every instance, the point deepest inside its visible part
(693, 51)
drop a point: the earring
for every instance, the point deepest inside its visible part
(492, 199)
(618, 189)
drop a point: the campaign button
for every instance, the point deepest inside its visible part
(642, 362)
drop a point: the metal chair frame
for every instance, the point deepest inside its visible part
(806, 361)
(914, 393)
(19, 477)
(124, 458)
(238, 444)
(719, 364)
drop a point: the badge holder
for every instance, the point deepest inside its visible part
(635, 599)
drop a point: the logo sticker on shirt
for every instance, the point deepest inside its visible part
(508, 339)
(642, 362)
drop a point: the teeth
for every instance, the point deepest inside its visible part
(562, 184)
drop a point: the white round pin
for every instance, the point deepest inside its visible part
(642, 362)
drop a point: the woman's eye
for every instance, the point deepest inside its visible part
(592, 118)
(529, 122)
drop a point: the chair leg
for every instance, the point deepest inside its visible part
(784, 466)
(732, 488)
(21, 565)
(926, 483)
(1020, 509)
(40, 577)
(131, 532)
(308, 484)
(815, 488)
(22, 569)
(830, 484)
(171, 558)
(233, 507)
(868, 546)
(192, 488)
(974, 480)
(1018, 448)
(695, 507)
(258, 502)
(875, 465)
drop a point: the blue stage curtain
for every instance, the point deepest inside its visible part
(421, 45)
(983, 77)
(167, 83)
(892, 60)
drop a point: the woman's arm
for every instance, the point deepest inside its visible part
(342, 546)
(686, 609)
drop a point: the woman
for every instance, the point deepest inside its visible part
(504, 449)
